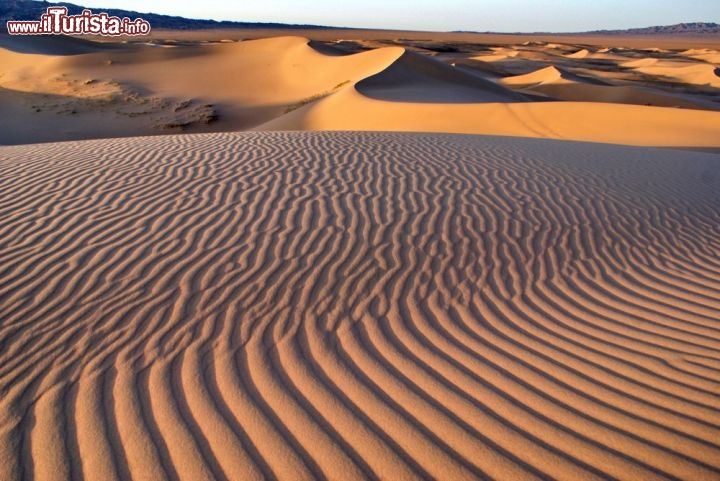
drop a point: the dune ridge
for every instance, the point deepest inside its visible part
(358, 306)
(61, 91)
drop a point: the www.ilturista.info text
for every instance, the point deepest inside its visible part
(57, 22)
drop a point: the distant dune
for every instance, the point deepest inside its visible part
(358, 306)
(560, 84)
(68, 89)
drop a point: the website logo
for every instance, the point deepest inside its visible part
(57, 22)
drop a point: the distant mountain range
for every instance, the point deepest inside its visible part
(689, 29)
(697, 28)
(32, 9)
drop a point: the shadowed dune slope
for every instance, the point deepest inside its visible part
(416, 78)
(344, 306)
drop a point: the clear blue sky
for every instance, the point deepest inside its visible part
(440, 15)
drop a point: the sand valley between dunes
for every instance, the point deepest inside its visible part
(378, 258)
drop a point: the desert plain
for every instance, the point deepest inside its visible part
(349, 254)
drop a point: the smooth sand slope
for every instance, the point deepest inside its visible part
(358, 306)
(73, 89)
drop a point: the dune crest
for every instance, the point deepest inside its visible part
(358, 306)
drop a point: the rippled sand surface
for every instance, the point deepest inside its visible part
(358, 306)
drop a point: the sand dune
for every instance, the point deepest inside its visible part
(544, 75)
(703, 74)
(73, 89)
(415, 78)
(579, 54)
(246, 83)
(547, 75)
(686, 72)
(640, 63)
(583, 121)
(560, 84)
(499, 53)
(417, 94)
(358, 306)
(705, 54)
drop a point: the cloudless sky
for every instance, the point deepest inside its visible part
(439, 15)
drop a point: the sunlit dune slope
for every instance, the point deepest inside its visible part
(83, 90)
(587, 121)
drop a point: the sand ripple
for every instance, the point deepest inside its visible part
(358, 306)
